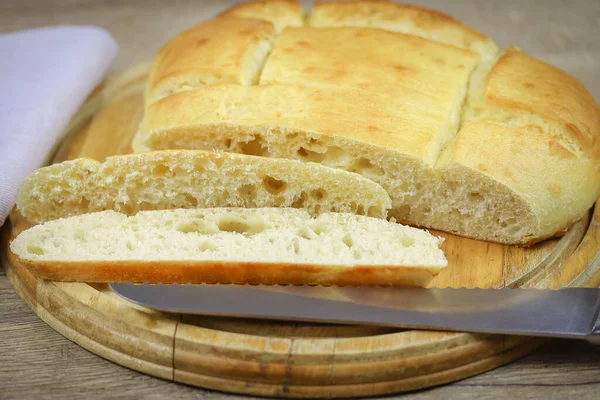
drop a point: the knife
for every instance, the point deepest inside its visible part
(563, 313)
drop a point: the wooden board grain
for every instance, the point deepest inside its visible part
(284, 359)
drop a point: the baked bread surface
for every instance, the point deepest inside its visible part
(465, 137)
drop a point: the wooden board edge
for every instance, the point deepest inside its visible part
(297, 370)
(564, 249)
(108, 353)
(110, 333)
(285, 390)
(588, 255)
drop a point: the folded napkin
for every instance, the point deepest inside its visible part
(45, 75)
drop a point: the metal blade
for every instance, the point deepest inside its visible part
(569, 313)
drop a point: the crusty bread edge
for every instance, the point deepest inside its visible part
(229, 272)
(523, 244)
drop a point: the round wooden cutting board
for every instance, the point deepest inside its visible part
(287, 359)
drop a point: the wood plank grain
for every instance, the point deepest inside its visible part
(527, 267)
(117, 128)
(285, 328)
(471, 263)
(586, 257)
(106, 325)
(64, 370)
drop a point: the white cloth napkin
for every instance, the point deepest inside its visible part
(45, 75)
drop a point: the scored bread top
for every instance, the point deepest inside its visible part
(522, 90)
(291, 109)
(396, 17)
(422, 83)
(194, 179)
(280, 13)
(404, 96)
(232, 51)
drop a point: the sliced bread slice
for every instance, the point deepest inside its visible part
(230, 245)
(194, 179)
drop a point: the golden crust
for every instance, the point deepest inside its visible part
(219, 50)
(349, 56)
(280, 13)
(512, 156)
(213, 272)
(375, 119)
(423, 79)
(520, 83)
(405, 18)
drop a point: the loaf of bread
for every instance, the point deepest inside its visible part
(466, 138)
(194, 179)
(230, 245)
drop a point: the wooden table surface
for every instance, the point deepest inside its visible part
(36, 362)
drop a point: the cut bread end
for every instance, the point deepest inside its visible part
(231, 245)
(194, 179)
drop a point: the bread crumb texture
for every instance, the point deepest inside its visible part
(465, 137)
(194, 179)
(269, 235)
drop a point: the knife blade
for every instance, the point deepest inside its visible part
(563, 313)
